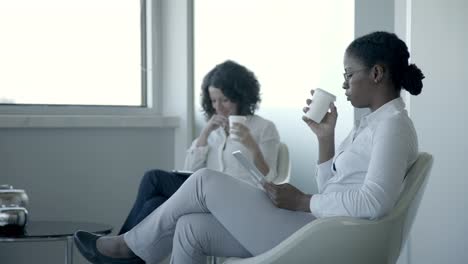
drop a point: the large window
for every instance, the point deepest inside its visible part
(72, 52)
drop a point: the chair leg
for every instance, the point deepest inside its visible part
(212, 260)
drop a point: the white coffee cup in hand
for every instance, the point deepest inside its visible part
(320, 104)
(235, 119)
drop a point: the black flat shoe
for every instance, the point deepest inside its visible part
(86, 244)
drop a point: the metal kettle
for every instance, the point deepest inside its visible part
(13, 216)
(13, 197)
(13, 213)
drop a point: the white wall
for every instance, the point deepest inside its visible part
(176, 55)
(436, 33)
(439, 39)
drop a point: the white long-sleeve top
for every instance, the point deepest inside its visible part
(217, 154)
(365, 177)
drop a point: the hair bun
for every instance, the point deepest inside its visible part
(412, 80)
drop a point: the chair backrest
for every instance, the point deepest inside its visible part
(283, 164)
(407, 205)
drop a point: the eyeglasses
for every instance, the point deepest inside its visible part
(348, 75)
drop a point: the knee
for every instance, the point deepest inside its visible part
(203, 172)
(151, 177)
(148, 207)
(207, 175)
(152, 204)
(211, 179)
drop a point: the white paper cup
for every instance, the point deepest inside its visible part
(235, 119)
(320, 104)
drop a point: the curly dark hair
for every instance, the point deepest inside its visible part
(237, 83)
(387, 49)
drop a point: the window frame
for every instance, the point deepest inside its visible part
(23, 115)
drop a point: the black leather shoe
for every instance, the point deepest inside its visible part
(86, 244)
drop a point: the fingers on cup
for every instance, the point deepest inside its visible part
(235, 126)
(235, 133)
(333, 109)
(306, 108)
(308, 120)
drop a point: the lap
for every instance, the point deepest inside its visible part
(247, 212)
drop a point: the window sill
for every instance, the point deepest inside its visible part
(90, 121)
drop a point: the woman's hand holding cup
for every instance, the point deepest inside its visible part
(240, 132)
(326, 128)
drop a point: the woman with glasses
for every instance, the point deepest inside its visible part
(212, 214)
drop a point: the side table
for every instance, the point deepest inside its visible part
(41, 231)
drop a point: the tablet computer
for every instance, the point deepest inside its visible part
(184, 173)
(256, 175)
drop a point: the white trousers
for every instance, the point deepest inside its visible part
(213, 214)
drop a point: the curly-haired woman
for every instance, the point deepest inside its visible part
(228, 89)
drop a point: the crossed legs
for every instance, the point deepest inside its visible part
(213, 214)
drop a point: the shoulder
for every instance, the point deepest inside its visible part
(396, 125)
(395, 121)
(261, 122)
(261, 125)
(396, 135)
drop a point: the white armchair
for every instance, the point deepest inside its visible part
(351, 240)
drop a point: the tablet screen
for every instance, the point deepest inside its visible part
(256, 175)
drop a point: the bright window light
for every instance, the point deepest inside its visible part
(291, 45)
(69, 52)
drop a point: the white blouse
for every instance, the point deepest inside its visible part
(365, 177)
(217, 155)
